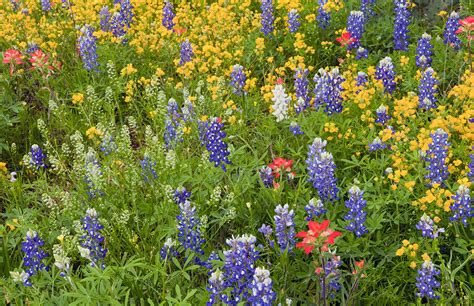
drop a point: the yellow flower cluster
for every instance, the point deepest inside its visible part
(435, 200)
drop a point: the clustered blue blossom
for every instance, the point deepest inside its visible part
(122, 20)
(366, 6)
(293, 21)
(186, 52)
(361, 79)
(314, 209)
(238, 79)
(428, 228)
(267, 231)
(267, 17)
(126, 12)
(285, 228)
(261, 288)
(402, 21)
(181, 195)
(470, 166)
(173, 126)
(32, 47)
(427, 88)
(385, 71)
(266, 175)
(148, 169)
(324, 17)
(92, 175)
(328, 90)
(33, 255)
(46, 5)
(108, 145)
(377, 144)
(332, 274)
(356, 214)
(87, 44)
(92, 242)
(295, 129)
(321, 168)
(38, 158)
(424, 51)
(189, 228)
(301, 89)
(452, 25)
(426, 281)
(355, 26)
(461, 206)
(168, 15)
(361, 53)
(436, 157)
(169, 249)
(382, 116)
(105, 18)
(215, 145)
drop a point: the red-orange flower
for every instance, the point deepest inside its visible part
(318, 234)
(39, 59)
(467, 26)
(358, 264)
(12, 57)
(346, 39)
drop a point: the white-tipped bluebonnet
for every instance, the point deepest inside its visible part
(356, 214)
(267, 17)
(238, 79)
(314, 209)
(34, 254)
(87, 44)
(385, 71)
(470, 166)
(181, 195)
(168, 15)
(148, 169)
(92, 242)
(377, 144)
(321, 168)
(186, 52)
(126, 11)
(362, 53)
(382, 115)
(355, 27)
(461, 206)
(293, 21)
(215, 287)
(38, 158)
(427, 89)
(327, 90)
(324, 17)
(187, 111)
(400, 29)
(32, 47)
(108, 145)
(332, 274)
(189, 228)
(366, 6)
(92, 176)
(426, 281)
(173, 127)
(169, 249)
(215, 145)
(428, 228)
(261, 288)
(295, 129)
(301, 89)
(267, 231)
(436, 157)
(267, 177)
(452, 25)
(104, 17)
(361, 79)
(280, 103)
(45, 5)
(285, 227)
(117, 27)
(423, 51)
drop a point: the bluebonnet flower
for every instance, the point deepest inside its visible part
(215, 145)
(295, 129)
(32, 47)
(203, 125)
(461, 206)
(92, 176)
(362, 53)
(301, 89)
(187, 111)
(356, 214)
(267, 231)
(186, 52)
(266, 174)
(436, 157)
(355, 27)
(426, 281)
(169, 249)
(280, 103)
(321, 168)
(126, 12)
(181, 195)
(108, 145)
(470, 174)
(377, 144)
(267, 17)
(189, 228)
(104, 16)
(285, 228)
(117, 26)
(92, 242)
(293, 21)
(314, 209)
(34, 254)
(361, 79)
(45, 5)
(427, 88)
(87, 44)
(382, 115)
(332, 274)
(173, 126)
(324, 17)
(385, 72)
(452, 25)
(423, 51)
(402, 21)
(38, 158)
(238, 79)
(168, 15)
(328, 90)
(366, 6)
(261, 288)
(148, 169)
(428, 228)
(215, 287)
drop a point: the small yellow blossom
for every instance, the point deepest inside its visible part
(77, 98)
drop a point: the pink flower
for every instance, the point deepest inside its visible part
(467, 26)
(12, 57)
